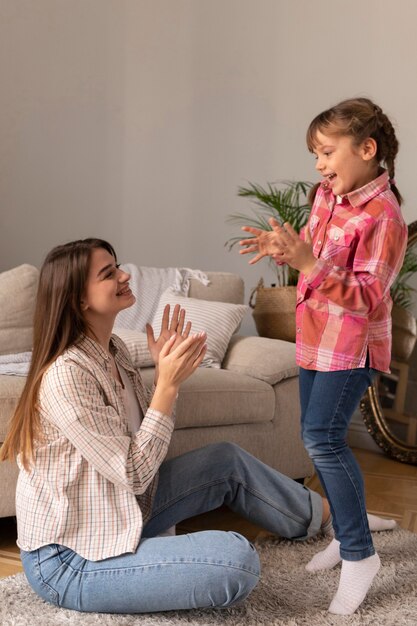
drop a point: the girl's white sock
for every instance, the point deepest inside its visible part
(325, 559)
(355, 580)
(330, 556)
(375, 524)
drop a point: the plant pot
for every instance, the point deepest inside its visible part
(404, 333)
(274, 311)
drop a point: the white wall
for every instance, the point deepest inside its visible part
(136, 120)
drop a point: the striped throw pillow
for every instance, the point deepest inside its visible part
(218, 319)
(137, 344)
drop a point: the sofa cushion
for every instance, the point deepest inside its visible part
(213, 397)
(10, 390)
(218, 319)
(18, 288)
(270, 360)
(210, 397)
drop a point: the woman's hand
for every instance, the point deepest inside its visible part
(168, 329)
(176, 364)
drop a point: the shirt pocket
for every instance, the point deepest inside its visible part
(339, 247)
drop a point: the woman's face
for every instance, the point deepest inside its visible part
(107, 290)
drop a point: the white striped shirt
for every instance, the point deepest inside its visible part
(92, 483)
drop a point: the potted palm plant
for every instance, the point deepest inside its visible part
(273, 307)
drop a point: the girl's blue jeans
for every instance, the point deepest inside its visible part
(328, 401)
(202, 569)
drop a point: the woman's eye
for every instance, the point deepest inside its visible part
(112, 272)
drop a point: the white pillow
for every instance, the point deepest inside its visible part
(137, 344)
(218, 319)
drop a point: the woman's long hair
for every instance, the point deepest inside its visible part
(58, 324)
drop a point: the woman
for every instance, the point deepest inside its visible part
(94, 491)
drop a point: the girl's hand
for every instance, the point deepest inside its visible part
(293, 250)
(264, 243)
(168, 329)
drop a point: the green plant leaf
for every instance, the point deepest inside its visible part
(402, 293)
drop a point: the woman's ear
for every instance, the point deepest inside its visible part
(83, 305)
(369, 149)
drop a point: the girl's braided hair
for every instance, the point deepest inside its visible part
(358, 118)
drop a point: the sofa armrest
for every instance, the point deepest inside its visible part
(270, 360)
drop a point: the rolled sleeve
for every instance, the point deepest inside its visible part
(320, 271)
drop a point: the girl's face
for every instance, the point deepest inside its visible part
(107, 290)
(345, 166)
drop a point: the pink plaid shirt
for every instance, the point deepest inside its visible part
(344, 305)
(92, 483)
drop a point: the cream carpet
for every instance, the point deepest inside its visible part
(286, 595)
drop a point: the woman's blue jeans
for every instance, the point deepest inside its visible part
(328, 401)
(202, 569)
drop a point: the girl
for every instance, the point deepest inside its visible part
(94, 491)
(348, 258)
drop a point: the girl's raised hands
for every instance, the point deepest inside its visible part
(282, 243)
(263, 243)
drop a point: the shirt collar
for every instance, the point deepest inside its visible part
(95, 350)
(364, 194)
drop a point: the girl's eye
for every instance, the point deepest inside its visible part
(327, 154)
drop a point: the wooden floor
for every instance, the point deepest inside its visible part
(391, 491)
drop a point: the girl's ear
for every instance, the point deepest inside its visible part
(369, 149)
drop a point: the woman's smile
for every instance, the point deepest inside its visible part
(124, 291)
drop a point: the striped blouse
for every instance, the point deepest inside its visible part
(344, 304)
(92, 483)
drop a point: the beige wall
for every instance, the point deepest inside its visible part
(136, 120)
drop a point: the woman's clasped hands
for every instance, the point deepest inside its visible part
(176, 352)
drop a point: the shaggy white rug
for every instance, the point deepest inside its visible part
(286, 595)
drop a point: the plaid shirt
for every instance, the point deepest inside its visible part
(92, 483)
(344, 305)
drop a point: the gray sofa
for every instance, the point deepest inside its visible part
(252, 400)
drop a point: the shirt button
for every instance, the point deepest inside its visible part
(298, 330)
(319, 242)
(336, 237)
